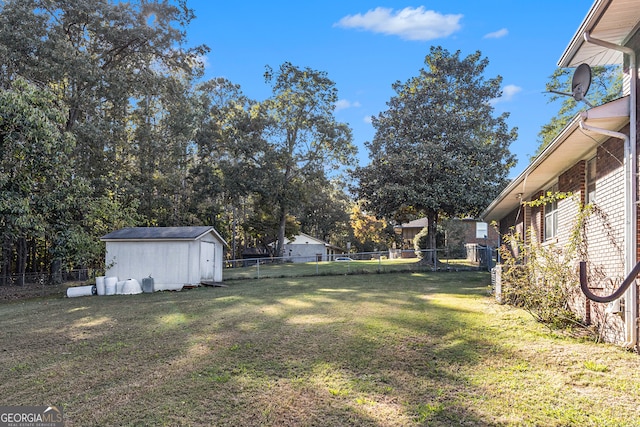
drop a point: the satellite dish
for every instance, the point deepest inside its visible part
(580, 83)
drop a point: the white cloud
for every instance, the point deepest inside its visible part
(497, 34)
(344, 104)
(408, 23)
(508, 92)
(367, 119)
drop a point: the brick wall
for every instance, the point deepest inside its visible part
(470, 234)
(513, 223)
(604, 230)
(573, 180)
(536, 219)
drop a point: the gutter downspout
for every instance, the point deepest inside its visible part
(630, 163)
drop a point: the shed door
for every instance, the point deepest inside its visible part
(207, 252)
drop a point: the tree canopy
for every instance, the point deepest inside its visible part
(120, 77)
(145, 141)
(106, 122)
(304, 138)
(40, 198)
(438, 149)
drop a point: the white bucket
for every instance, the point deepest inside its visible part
(81, 291)
(100, 288)
(110, 285)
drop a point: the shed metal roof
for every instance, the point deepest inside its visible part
(160, 233)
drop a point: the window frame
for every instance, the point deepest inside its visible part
(550, 221)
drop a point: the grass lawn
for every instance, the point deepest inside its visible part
(341, 267)
(351, 350)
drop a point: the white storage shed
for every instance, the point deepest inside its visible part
(173, 256)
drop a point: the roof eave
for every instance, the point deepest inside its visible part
(612, 21)
(589, 22)
(520, 179)
(572, 144)
(215, 233)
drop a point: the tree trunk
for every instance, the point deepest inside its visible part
(431, 257)
(281, 229)
(5, 271)
(56, 271)
(22, 261)
(34, 258)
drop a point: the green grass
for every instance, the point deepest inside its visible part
(393, 349)
(324, 268)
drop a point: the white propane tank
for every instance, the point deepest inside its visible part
(81, 291)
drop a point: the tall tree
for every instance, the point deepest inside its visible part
(103, 60)
(305, 140)
(438, 148)
(368, 231)
(163, 127)
(229, 143)
(101, 57)
(606, 85)
(39, 195)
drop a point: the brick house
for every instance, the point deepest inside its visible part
(409, 230)
(595, 159)
(462, 235)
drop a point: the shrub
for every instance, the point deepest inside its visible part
(543, 285)
(541, 279)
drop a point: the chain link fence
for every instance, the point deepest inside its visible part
(480, 258)
(44, 279)
(357, 263)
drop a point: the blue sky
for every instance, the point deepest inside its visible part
(365, 46)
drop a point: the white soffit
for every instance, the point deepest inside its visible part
(609, 20)
(569, 147)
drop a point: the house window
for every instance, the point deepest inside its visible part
(551, 216)
(590, 195)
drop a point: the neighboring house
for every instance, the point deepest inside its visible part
(460, 234)
(476, 232)
(173, 256)
(304, 248)
(594, 158)
(409, 230)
